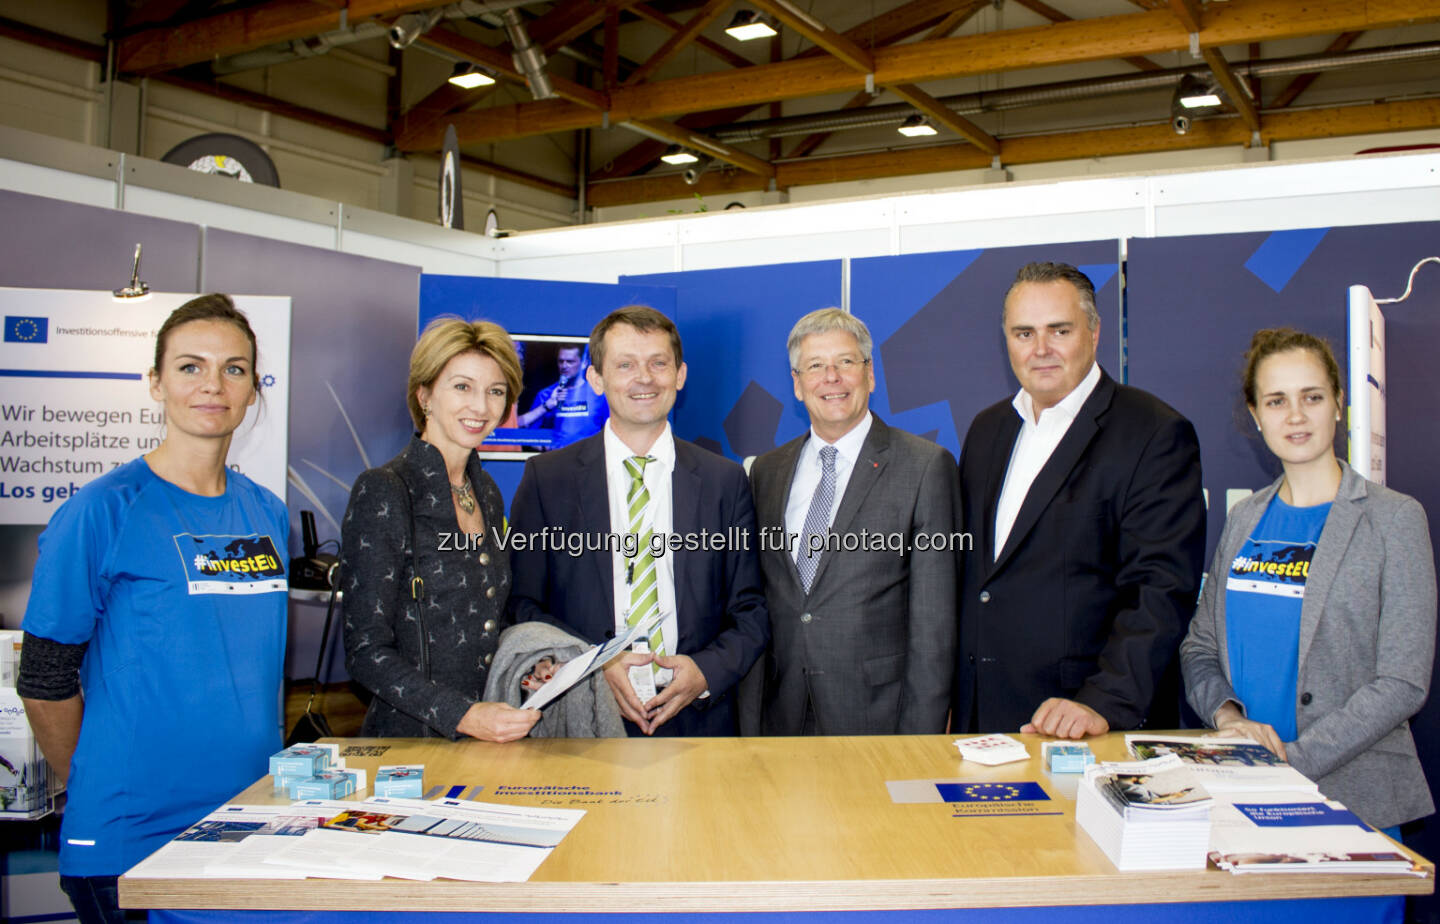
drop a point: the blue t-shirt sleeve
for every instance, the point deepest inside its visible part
(68, 588)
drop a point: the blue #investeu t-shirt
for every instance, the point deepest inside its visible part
(182, 599)
(1264, 590)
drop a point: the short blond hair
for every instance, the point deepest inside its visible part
(446, 338)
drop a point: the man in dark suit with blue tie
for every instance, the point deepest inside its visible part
(635, 479)
(1084, 499)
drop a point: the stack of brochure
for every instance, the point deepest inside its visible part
(1148, 814)
(1269, 817)
(1288, 833)
(403, 838)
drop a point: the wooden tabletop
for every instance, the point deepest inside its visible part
(758, 824)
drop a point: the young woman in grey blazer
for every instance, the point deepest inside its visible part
(1316, 628)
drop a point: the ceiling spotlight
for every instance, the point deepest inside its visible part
(405, 30)
(1195, 93)
(1191, 93)
(137, 290)
(469, 76)
(748, 25)
(916, 126)
(678, 156)
(692, 175)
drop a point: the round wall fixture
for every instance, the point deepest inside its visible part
(225, 155)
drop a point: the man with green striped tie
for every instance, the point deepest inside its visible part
(634, 526)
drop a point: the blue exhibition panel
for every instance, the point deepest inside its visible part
(738, 398)
(940, 353)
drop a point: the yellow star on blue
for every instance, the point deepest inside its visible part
(992, 792)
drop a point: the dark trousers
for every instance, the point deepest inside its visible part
(97, 900)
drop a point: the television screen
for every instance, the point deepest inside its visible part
(557, 406)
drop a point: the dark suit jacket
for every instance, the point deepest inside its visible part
(1097, 582)
(871, 648)
(720, 608)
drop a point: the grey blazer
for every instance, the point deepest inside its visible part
(871, 648)
(1367, 640)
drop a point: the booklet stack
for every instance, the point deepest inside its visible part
(1148, 814)
(1269, 817)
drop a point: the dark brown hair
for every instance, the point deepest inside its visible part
(446, 338)
(212, 307)
(1269, 342)
(1057, 272)
(641, 317)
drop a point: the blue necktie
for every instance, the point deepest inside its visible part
(817, 519)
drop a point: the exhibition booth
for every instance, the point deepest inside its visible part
(1186, 266)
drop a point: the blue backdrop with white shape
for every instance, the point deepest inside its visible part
(738, 399)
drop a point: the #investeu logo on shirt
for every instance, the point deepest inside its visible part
(230, 564)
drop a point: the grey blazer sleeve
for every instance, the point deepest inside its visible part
(1404, 640)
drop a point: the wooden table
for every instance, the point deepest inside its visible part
(758, 824)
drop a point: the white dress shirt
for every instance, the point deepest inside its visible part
(659, 482)
(807, 479)
(1033, 448)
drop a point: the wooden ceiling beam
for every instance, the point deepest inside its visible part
(441, 101)
(496, 60)
(648, 13)
(1334, 122)
(1188, 12)
(1238, 93)
(822, 35)
(701, 144)
(942, 114)
(1234, 22)
(166, 48)
(947, 24)
(904, 21)
(568, 21)
(649, 150)
(1054, 15)
(1302, 82)
(677, 42)
(892, 26)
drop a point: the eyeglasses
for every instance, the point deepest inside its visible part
(844, 366)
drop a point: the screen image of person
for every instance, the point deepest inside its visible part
(636, 479)
(155, 631)
(571, 408)
(425, 583)
(1083, 497)
(1316, 630)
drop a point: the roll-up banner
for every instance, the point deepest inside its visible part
(1367, 385)
(75, 402)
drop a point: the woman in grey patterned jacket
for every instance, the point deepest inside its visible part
(425, 581)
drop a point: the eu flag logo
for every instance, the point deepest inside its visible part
(20, 329)
(992, 792)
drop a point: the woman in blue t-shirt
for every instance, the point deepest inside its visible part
(1316, 628)
(160, 592)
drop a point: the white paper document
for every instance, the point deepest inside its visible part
(587, 663)
(414, 839)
